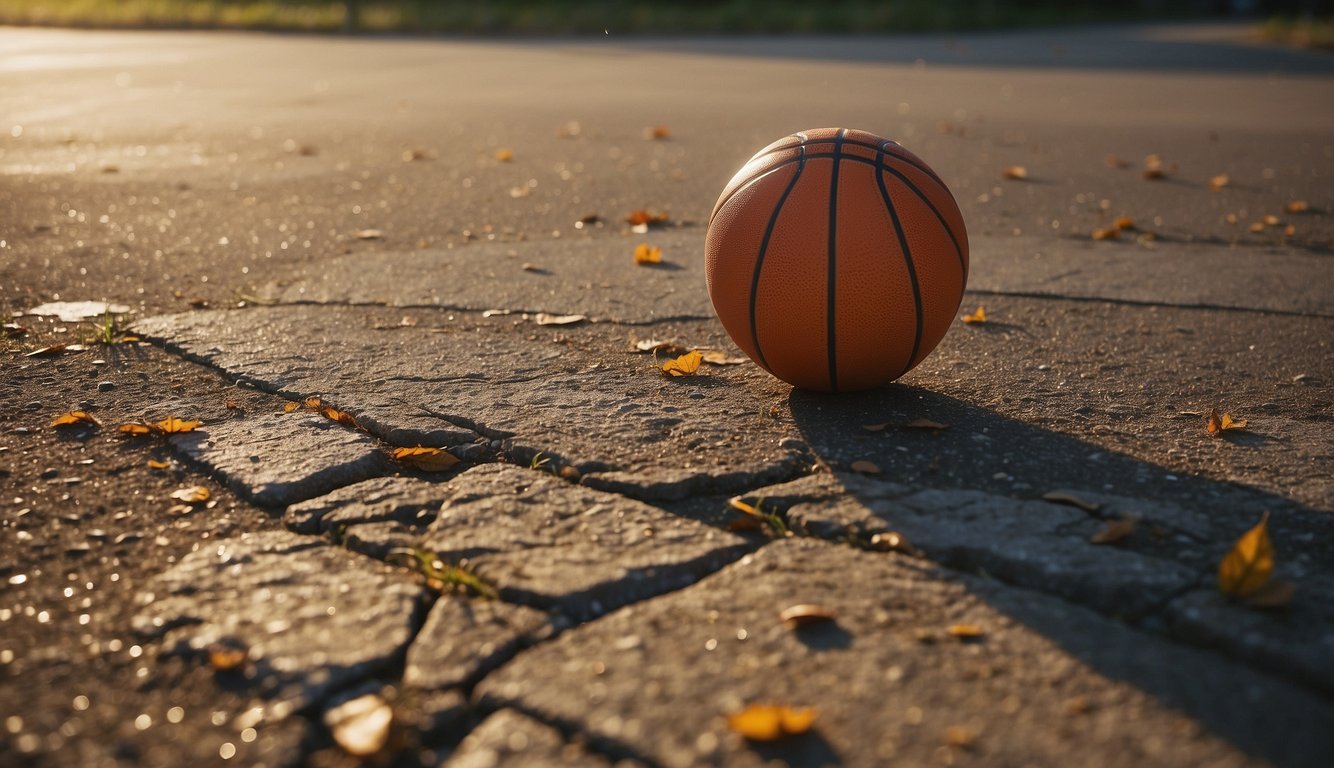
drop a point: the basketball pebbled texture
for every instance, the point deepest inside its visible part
(836, 259)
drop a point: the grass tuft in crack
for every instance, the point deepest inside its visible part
(441, 576)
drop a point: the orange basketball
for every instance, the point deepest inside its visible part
(836, 259)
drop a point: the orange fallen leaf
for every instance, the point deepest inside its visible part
(961, 737)
(1297, 206)
(1218, 182)
(504, 155)
(1123, 223)
(1271, 220)
(224, 658)
(745, 508)
(1113, 161)
(770, 722)
(657, 133)
(1248, 566)
(1114, 531)
(73, 418)
(136, 429)
(155, 464)
(426, 458)
(172, 425)
(1257, 227)
(647, 254)
(313, 402)
(1154, 174)
(1015, 173)
(977, 318)
(864, 467)
(645, 217)
(342, 417)
(368, 234)
(1108, 233)
(715, 357)
(965, 631)
(288, 408)
(685, 365)
(1216, 425)
(806, 614)
(194, 495)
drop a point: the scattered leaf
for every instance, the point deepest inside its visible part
(1015, 173)
(368, 234)
(194, 495)
(55, 349)
(977, 318)
(235, 407)
(1113, 161)
(1218, 182)
(73, 418)
(1154, 174)
(1123, 223)
(1216, 425)
(876, 427)
(714, 357)
(136, 430)
(1072, 499)
(685, 365)
(504, 155)
(744, 507)
(1248, 566)
(225, 658)
(155, 464)
(1274, 594)
(864, 467)
(1257, 227)
(342, 417)
(769, 722)
(1271, 220)
(1108, 233)
(806, 614)
(361, 726)
(172, 425)
(648, 254)
(961, 737)
(288, 408)
(426, 458)
(966, 631)
(657, 133)
(1290, 230)
(529, 266)
(1114, 531)
(1297, 206)
(926, 424)
(543, 318)
(645, 217)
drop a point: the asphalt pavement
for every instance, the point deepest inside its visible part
(1008, 557)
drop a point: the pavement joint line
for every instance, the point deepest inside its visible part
(508, 312)
(1146, 303)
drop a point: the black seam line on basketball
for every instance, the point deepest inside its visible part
(963, 268)
(918, 164)
(831, 279)
(1194, 306)
(759, 260)
(912, 270)
(812, 156)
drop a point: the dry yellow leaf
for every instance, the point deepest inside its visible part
(744, 507)
(1217, 424)
(426, 458)
(155, 464)
(290, 407)
(1297, 206)
(1271, 220)
(960, 736)
(1248, 566)
(136, 430)
(1015, 173)
(977, 318)
(225, 658)
(1218, 182)
(645, 217)
(73, 418)
(657, 133)
(685, 365)
(1107, 233)
(342, 417)
(368, 234)
(1257, 227)
(965, 631)
(542, 318)
(1114, 531)
(313, 402)
(172, 425)
(647, 254)
(805, 614)
(769, 722)
(715, 357)
(864, 467)
(194, 495)
(504, 155)
(1123, 223)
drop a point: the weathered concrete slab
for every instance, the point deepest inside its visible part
(575, 394)
(597, 277)
(1269, 278)
(275, 459)
(407, 500)
(509, 738)
(1046, 684)
(544, 542)
(463, 639)
(312, 617)
(1034, 544)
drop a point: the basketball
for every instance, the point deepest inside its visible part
(836, 259)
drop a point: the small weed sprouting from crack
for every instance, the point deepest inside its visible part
(770, 521)
(538, 461)
(441, 576)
